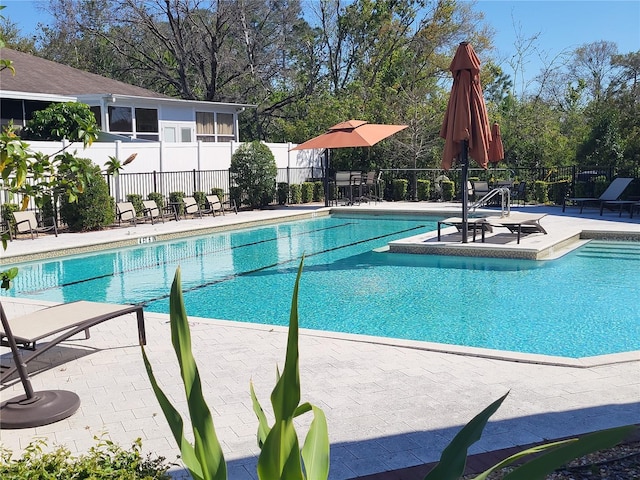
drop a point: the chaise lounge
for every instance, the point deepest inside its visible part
(519, 223)
(59, 323)
(610, 196)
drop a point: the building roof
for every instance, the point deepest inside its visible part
(38, 75)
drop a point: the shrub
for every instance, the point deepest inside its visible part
(178, 197)
(94, 208)
(400, 189)
(201, 199)
(541, 192)
(600, 184)
(295, 193)
(307, 192)
(70, 120)
(158, 198)
(253, 169)
(7, 214)
(136, 200)
(448, 191)
(282, 193)
(424, 189)
(105, 461)
(219, 192)
(318, 191)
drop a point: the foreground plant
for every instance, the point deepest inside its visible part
(546, 458)
(280, 456)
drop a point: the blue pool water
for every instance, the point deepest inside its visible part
(580, 305)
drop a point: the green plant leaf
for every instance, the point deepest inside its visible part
(286, 394)
(280, 455)
(541, 466)
(206, 445)
(263, 424)
(175, 423)
(315, 451)
(517, 456)
(454, 457)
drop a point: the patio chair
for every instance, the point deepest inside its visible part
(230, 206)
(154, 213)
(191, 207)
(59, 323)
(609, 196)
(519, 193)
(519, 223)
(26, 223)
(126, 212)
(480, 189)
(344, 185)
(213, 205)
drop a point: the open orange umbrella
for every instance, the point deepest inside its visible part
(352, 133)
(466, 124)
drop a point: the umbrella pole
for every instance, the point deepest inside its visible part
(465, 193)
(325, 177)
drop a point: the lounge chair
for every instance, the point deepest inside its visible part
(154, 213)
(609, 196)
(59, 322)
(126, 212)
(213, 205)
(519, 223)
(473, 225)
(26, 223)
(191, 207)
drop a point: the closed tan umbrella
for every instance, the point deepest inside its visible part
(466, 124)
(496, 150)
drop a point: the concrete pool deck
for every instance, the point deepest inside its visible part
(390, 405)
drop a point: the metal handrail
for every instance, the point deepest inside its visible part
(503, 192)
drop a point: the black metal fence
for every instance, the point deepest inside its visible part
(559, 181)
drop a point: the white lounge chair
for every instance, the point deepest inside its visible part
(57, 323)
(213, 205)
(26, 223)
(125, 211)
(154, 213)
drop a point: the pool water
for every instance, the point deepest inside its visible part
(580, 305)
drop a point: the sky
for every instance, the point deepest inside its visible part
(558, 26)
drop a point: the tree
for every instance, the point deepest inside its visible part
(253, 169)
(61, 121)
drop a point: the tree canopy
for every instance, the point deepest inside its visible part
(309, 65)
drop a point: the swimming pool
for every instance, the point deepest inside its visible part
(576, 306)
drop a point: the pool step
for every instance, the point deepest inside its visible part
(619, 250)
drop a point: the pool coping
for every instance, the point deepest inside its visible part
(487, 353)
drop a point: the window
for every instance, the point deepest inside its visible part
(185, 134)
(147, 120)
(205, 126)
(215, 127)
(120, 119)
(98, 114)
(225, 125)
(11, 110)
(169, 134)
